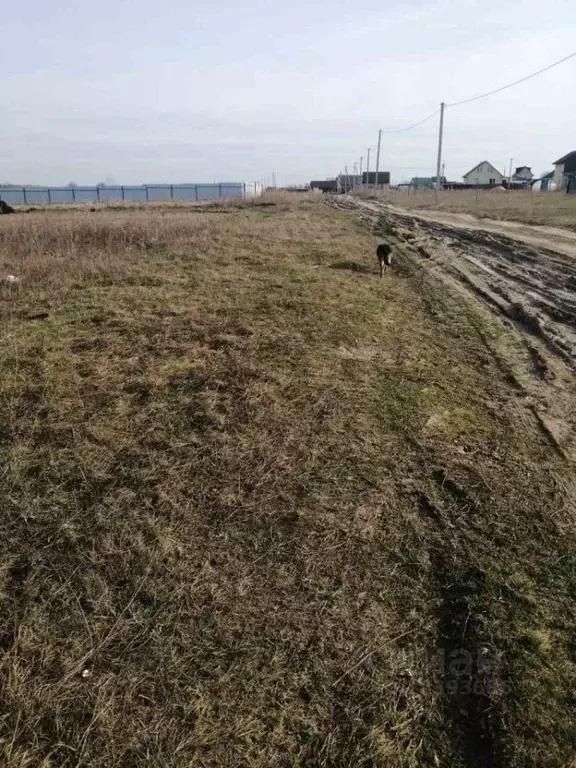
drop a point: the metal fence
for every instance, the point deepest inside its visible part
(145, 193)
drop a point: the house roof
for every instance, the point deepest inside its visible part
(523, 168)
(564, 158)
(549, 175)
(478, 166)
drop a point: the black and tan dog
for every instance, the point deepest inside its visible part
(384, 256)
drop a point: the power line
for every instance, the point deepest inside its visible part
(413, 125)
(467, 101)
(516, 82)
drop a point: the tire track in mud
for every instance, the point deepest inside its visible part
(468, 665)
(531, 288)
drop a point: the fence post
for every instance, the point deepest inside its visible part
(244, 190)
(146, 188)
(49, 197)
(171, 192)
(24, 194)
(73, 195)
(196, 190)
(122, 188)
(220, 191)
(98, 194)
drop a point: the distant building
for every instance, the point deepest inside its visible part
(545, 183)
(522, 178)
(421, 182)
(346, 182)
(349, 181)
(426, 182)
(564, 170)
(483, 175)
(370, 178)
(327, 185)
(342, 183)
(523, 173)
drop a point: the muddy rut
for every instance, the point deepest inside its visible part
(526, 275)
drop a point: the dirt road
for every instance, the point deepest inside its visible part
(525, 274)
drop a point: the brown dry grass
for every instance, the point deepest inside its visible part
(252, 496)
(546, 209)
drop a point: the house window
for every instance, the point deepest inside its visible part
(492, 181)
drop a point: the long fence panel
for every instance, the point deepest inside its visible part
(146, 193)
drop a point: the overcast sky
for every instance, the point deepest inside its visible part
(195, 90)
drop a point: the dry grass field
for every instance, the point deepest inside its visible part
(263, 509)
(542, 208)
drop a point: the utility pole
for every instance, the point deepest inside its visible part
(361, 182)
(510, 174)
(378, 158)
(347, 186)
(440, 137)
(354, 178)
(368, 169)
